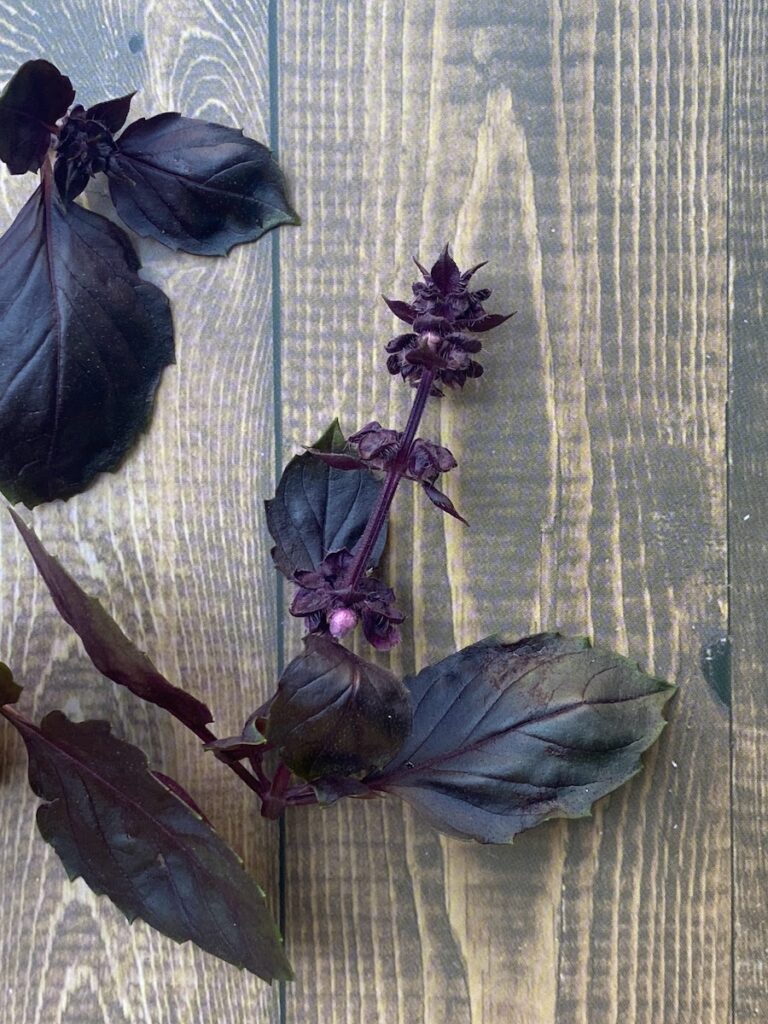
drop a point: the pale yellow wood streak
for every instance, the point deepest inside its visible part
(174, 544)
(580, 147)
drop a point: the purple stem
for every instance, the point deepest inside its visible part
(277, 793)
(271, 792)
(258, 768)
(258, 785)
(395, 473)
(273, 803)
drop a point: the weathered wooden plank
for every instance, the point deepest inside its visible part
(173, 544)
(580, 146)
(748, 515)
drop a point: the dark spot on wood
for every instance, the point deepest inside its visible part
(716, 665)
(136, 42)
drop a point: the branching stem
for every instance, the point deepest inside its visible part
(395, 473)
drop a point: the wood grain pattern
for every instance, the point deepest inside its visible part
(581, 147)
(173, 544)
(748, 519)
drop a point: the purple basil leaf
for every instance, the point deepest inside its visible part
(423, 269)
(83, 342)
(401, 309)
(10, 691)
(113, 824)
(487, 322)
(111, 113)
(107, 646)
(196, 186)
(318, 509)
(336, 714)
(30, 105)
(244, 745)
(239, 747)
(86, 146)
(506, 735)
(471, 271)
(442, 501)
(71, 179)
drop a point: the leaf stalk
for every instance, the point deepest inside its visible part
(395, 473)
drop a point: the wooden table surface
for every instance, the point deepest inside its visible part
(608, 157)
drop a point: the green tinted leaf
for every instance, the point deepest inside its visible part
(507, 735)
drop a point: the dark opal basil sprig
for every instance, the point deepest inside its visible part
(491, 740)
(339, 591)
(83, 337)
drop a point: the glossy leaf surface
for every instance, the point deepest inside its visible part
(107, 646)
(196, 186)
(83, 342)
(319, 509)
(30, 105)
(128, 836)
(507, 735)
(336, 714)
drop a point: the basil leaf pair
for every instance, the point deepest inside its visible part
(83, 338)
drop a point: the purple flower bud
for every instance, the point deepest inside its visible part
(377, 447)
(329, 606)
(375, 444)
(427, 460)
(341, 621)
(442, 311)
